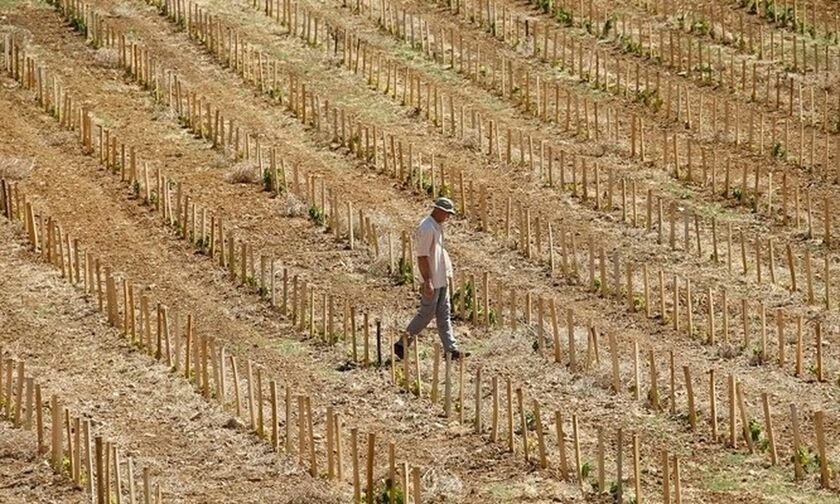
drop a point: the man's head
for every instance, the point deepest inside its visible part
(443, 208)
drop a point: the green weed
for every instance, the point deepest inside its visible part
(276, 93)
(614, 488)
(466, 297)
(65, 465)
(650, 98)
(778, 14)
(202, 243)
(415, 387)
(586, 469)
(268, 179)
(638, 302)
(78, 23)
(757, 356)
(608, 26)
(564, 17)
(750, 5)
(384, 495)
(316, 214)
(405, 272)
(809, 459)
(630, 46)
(755, 430)
(530, 420)
(399, 377)
(700, 27)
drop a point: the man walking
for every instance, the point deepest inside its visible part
(435, 269)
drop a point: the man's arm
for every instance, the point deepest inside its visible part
(425, 270)
(424, 246)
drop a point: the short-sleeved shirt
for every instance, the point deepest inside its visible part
(429, 242)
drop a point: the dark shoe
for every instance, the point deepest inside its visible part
(458, 354)
(398, 350)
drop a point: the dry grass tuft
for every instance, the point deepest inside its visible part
(163, 113)
(60, 138)
(728, 351)
(471, 143)
(16, 168)
(243, 172)
(107, 57)
(439, 484)
(295, 207)
(123, 10)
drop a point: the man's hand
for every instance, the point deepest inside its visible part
(428, 290)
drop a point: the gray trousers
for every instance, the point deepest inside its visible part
(438, 308)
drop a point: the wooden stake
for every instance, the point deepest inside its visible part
(57, 447)
(540, 440)
(713, 404)
(313, 462)
(509, 394)
(666, 478)
(371, 452)
(745, 418)
(768, 422)
(522, 423)
(354, 449)
(616, 385)
(689, 386)
(100, 472)
(637, 469)
(825, 478)
(677, 484)
(601, 468)
(494, 426)
(275, 435)
(576, 438)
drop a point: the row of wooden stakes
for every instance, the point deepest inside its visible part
(166, 344)
(784, 15)
(758, 269)
(184, 216)
(671, 160)
(810, 290)
(713, 178)
(605, 283)
(198, 358)
(635, 44)
(547, 314)
(116, 155)
(163, 349)
(490, 70)
(89, 460)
